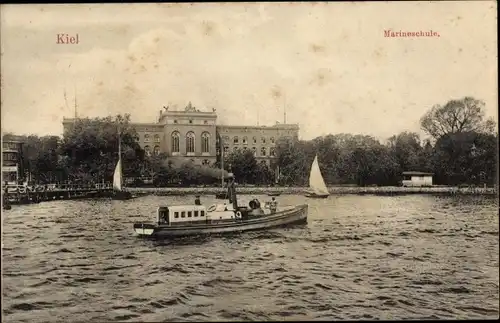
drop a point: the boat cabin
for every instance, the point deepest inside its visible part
(189, 214)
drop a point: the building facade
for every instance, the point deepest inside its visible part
(191, 134)
(12, 161)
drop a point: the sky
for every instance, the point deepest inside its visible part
(328, 64)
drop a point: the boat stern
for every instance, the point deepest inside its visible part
(144, 229)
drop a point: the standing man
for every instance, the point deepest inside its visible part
(273, 205)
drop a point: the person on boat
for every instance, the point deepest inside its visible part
(273, 205)
(197, 200)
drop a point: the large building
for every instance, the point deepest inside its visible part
(12, 161)
(193, 134)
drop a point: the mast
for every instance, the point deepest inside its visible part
(284, 108)
(221, 160)
(76, 114)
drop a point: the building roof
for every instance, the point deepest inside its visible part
(417, 173)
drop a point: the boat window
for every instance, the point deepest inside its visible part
(190, 214)
(176, 215)
(202, 213)
(195, 214)
(183, 214)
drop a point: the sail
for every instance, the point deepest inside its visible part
(316, 182)
(117, 176)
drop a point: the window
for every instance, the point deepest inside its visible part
(147, 150)
(9, 156)
(190, 142)
(195, 214)
(156, 150)
(175, 121)
(205, 142)
(205, 122)
(263, 140)
(244, 149)
(146, 138)
(245, 140)
(272, 152)
(235, 149)
(157, 138)
(263, 162)
(183, 214)
(136, 137)
(190, 214)
(254, 140)
(254, 150)
(175, 142)
(191, 121)
(235, 140)
(226, 138)
(205, 162)
(226, 149)
(176, 215)
(202, 213)
(272, 140)
(263, 151)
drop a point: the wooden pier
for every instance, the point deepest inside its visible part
(19, 194)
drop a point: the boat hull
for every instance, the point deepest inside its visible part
(317, 196)
(295, 215)
(121, 195)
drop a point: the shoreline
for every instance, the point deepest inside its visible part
(337, 190)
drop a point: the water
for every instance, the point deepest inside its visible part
(360, 257)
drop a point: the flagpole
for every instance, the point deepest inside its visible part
(221, 147)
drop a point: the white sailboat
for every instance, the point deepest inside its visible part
(118, 190)
(317, 186)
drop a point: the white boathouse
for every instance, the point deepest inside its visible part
(417, 179)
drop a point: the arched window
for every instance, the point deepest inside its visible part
(205, 142)
(254, 140)
(235, 140)
(190, 142)
(226, 150)
(175, 142)
(157, 138)
(235, 149)
(147, 149)
(156, 150)
(146, 138)
(272, 152)
(245, 140)
(263, 140)
(272, 140)
(254, 150)
(263, 151)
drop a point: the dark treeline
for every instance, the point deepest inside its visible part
(461, 149)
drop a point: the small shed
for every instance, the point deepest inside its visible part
(413, 178)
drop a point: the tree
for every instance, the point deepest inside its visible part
(456, 116)
(91, 147)
(466, 158)
(243, 165)
(407, 150)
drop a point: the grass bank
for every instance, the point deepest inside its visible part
(335, 190)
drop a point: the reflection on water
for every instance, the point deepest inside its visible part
(360, 257)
